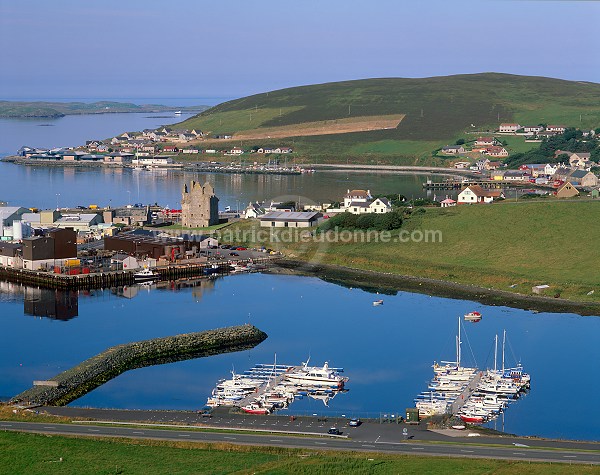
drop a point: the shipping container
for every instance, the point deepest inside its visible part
(85, 270)
(72, 262)
(74, 271)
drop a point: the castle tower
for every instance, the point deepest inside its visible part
(199, 206)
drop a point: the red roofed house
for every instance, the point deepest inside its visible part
(496, 151)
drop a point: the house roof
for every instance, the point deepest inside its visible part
(448, 200)
(578, 173)
(359, 204)
(296, 216)
(480, 192)
(358, 194)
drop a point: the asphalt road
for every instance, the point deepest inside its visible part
(324, 442)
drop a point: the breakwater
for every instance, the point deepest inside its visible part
(97, 370)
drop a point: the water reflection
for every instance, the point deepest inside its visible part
(48, 303)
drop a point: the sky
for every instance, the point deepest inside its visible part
(199, 49)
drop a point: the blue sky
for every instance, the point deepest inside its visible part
(191, 48)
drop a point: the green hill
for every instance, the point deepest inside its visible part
(437, 110)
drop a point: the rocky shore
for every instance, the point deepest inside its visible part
(97, 370)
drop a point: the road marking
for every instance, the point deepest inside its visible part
(276, 440)
(230, 438)
(518, 453)
(467, 451)
(367, 445)
(137, 432)
(5, 425)
(321, 443)
(377, 439)
(570, 456)
(183, 435)
(48, 427)
(418, 448)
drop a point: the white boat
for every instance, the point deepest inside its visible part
(473, 317)
(177, 112)
(145, 275)
(376, 303)
(316, 377)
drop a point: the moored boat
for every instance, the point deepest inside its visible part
(473, 317)
(145, 275)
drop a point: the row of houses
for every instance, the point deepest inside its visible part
(514, 128)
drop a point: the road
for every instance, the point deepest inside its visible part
(322, 442)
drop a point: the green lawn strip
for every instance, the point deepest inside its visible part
(42, 454)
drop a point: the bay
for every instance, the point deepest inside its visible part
(387, 351)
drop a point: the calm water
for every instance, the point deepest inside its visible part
(386, 351)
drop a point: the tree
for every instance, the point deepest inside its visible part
(460, 142)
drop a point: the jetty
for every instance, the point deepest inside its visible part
(97, 370)
(460, 184)
(469, 389)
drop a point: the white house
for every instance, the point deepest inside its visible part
(357, 196)
(253, 210)
(151, 161)
(476, 194)
(447, 203)
(509, 128)
(533, 129)
(559, 129)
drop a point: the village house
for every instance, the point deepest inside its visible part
(170, 149)
(152, 161)
(516, 175)
(566, 190)
(197, 133)
(496, 151)
(295, 219)
(583, 178)
(557, 129)
(462, 165)
(533, 129)
(497, 175)
(254, 210)
(562, 173)
(581, 160)
(473, 194)
(185, 137)
(486, 141)
(508, 128)
(453, 149)
(235, 151)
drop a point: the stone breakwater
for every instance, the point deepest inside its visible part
(97, 370)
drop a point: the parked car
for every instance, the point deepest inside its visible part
(333, 431)
(240, 248)
(225, 246)
(354, 422)
(233, 254)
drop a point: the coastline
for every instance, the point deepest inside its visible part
(391, 283)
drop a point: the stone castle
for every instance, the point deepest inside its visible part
(199, 206)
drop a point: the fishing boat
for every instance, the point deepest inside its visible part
(177, 112)
(376, 303)
(472, 418)
(473, 317)
(145, 275)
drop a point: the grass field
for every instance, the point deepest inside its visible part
(437, 111)
(497, 246)
(39, 454)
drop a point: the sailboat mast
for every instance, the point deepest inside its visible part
(496, 354)
(458, 345)
(503, 345)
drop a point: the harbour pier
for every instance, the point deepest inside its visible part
(97, 370)
(458, 185)
(469, 389)
(119, 278)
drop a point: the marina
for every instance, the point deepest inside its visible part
(267, 388)
(474, 396)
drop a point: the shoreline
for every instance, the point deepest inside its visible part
(391, 283)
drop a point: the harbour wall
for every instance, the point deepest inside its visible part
(97, 370)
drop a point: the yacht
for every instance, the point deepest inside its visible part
(473, 317)
(316, 377)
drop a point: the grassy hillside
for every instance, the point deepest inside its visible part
(438, 109)
(508, 245)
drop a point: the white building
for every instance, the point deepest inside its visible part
(509, 128)
(152, 161)
(295, 219)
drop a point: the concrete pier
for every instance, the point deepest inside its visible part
(460, 401)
